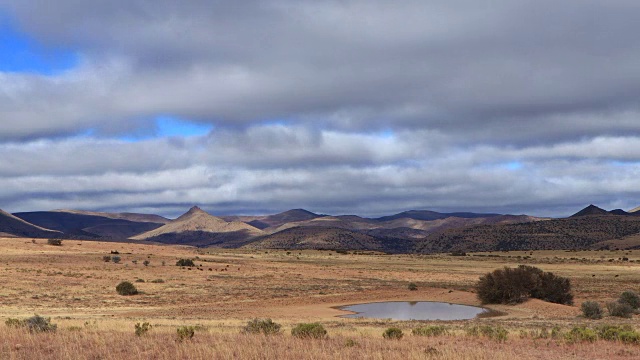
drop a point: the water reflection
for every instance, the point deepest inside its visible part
(413, 310)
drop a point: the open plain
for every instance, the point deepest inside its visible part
(74, 286)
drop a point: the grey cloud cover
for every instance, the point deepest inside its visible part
(339, 106)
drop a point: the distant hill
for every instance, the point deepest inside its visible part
(91, 225)
(309, 237)
(266, 221)
(135, 217)
(11, 225)
(578, 232)
(198, 228)
(428, 215)
(591, 210)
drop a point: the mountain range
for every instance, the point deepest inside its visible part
(414, 231)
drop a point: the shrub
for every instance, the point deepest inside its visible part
(618, 309)
(264, 326)
(433, 330)
(185, 262)
(309, 330)
(115, 259)
(139, 280)
(157, 281)
(581, 333)
(38, 323)
(631, 298)
(514, 285)
(498, 333)
(186, 332)
(126, 288)
(146, 263)
(54, 242)
(591, 310)
(412, 287)
(393, 333)
(143, 328)
(613, 332)
(16, 323)
(106, 258)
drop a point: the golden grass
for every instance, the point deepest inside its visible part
(18, 344)
(74, 286)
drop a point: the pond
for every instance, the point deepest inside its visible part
(413, 310)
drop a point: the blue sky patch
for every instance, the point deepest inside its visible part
(167, 126)
(20, 53)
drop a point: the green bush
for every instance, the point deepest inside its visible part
(143, 328)
(618, 309)
(15, 323)
(412, 287)
(393, 333)
(186, 332)
(591, 310)
(514, 285)
(581, 333)
(126, 288)
(612, 332)
(115, 259)
(496, 333)
(432, 330)
(262, 326)
(309, 330)
(631, 298)
(185, 262)
(38, 323)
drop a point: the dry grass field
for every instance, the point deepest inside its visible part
(76, 288)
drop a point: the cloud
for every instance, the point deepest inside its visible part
(346, 106)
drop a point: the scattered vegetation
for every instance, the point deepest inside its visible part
(146, 263)
(631, 298)
(431, 330)
(309, 330)
(115, 259)
(496, 333)
(186, 332)
(35, 324)
(185, 262)
(619, 309)
(106, 258)
(54, 242)
(143, 328)
(592, 310)
(157, 281)
(412, 287)
(262, 326)
(126, 288)
(393, 333)
(514, 285)
(581, 333)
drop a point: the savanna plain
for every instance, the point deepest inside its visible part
(75, 286)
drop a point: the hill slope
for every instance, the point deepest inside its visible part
(89, 225)
(198, 228)
(11, 225)
(581, 232)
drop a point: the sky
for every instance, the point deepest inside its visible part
(367, 107)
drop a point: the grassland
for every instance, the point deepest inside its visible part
(76, 288)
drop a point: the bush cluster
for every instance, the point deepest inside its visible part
(630, 298)
(393, 333)
(185, 262)
(34, 324)
(309, 330)
(619, 309)
(126, 288)
(142, 329)
(262, 326)
(186, 333)
(496, 333)
(514, 285)
(432, 330)
(591, 310)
